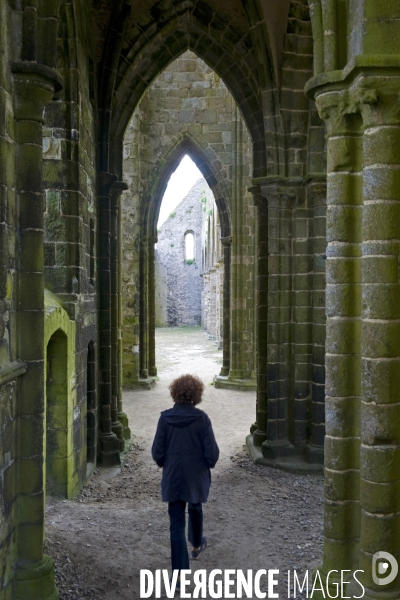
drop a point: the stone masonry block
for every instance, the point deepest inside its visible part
(381, 462)
(383, 498)
(381, 380)
(342, 485)
(381, 221)
(342, 417)
(344, 188)
(380, 422)
(342, 454)
(343, 300)
(381, 339)
(342, 520)
(343, 375)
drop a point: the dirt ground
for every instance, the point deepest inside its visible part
(256, 517)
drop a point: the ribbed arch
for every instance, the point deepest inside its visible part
(141, 54)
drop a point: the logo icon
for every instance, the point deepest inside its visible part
(384, 568)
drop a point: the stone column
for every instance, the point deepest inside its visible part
(109, 442)
(217, 303)
(117, 427)
(143, 308)
(380, 342)
(152, 369)
(34, 86)
(236, 308)
(226, 317)
(122, 417)
(300, 264)
(241, 350)
(259, 429)
(278, 316)
(206, 300)
(343, 330)
(221, 278)
(317, 198)
(212, 309)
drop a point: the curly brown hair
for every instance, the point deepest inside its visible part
(187, 389)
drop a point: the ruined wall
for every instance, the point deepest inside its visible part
(178, 282)
(69, 178)
(213, 274)
(187, 109)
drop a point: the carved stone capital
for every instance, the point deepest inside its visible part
(371, 99)
(341, 110)
(34, 87)
(226, 241)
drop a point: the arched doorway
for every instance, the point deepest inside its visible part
(206, 125)
(56, 431)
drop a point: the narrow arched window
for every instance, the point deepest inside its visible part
(189, 246)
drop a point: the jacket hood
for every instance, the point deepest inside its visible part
(182, 415)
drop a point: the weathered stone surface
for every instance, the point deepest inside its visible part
(179, 283)
(139, 85)
(217, 140)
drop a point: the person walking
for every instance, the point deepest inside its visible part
(185, 447)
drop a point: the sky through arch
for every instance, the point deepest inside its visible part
(179, 185)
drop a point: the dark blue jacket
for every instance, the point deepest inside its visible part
(185, 446)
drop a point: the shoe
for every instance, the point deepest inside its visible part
(195, 554)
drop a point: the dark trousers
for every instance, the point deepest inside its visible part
(179, 552)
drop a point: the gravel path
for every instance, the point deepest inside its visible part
(256, 517)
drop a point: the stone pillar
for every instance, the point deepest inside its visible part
(116, 402)
(122, 417)
(343, 331)
(278, 316)
(211, 314)
(281, 433)
(259, 429)
(221, 278)
(241, 366)
(109, 442)
(316, 192)
(152, 369)
(217, 303)
(380, 340)
(226, 317)
(143, 308)
(300, 265)
(34, 86)
(206, 300)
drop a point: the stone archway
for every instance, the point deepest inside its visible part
(56, 431)
(147, 233)
(223, 154)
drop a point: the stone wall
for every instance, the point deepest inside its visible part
(8, 284)
(213, 274)
(186, 110)
(70, 180)
(178, 282)
(61, 168)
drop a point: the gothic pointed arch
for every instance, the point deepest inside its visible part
(144, 46)
(193, 148)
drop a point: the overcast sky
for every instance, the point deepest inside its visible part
(180, 183)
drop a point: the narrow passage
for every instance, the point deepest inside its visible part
(256, 517)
